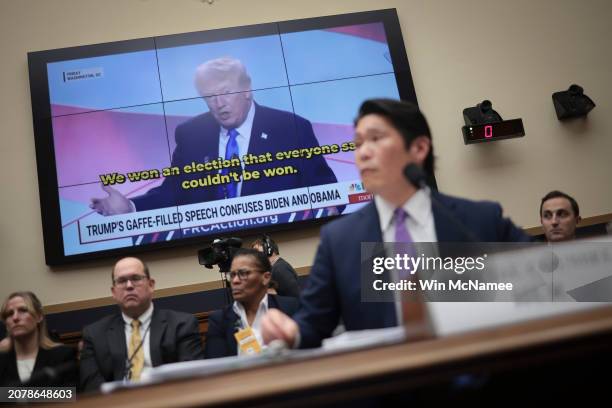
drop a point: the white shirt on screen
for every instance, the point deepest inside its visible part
(243, 139)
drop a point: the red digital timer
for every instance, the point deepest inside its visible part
(490, 132)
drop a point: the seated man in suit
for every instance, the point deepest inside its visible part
(137, 337)
(234, 127)
(249, 279)
(559, 215)
(389, 136)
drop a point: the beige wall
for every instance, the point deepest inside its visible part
(515, 53)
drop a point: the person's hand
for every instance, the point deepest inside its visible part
(276, 325)
(115, 203)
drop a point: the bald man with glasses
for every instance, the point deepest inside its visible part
(236, 330)
(125, 345)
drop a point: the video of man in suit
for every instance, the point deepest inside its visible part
(212, 137)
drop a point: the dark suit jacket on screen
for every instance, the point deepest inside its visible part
(174, 336)
(220, 340)
(333, 288)
(197, 140)
(60, 358)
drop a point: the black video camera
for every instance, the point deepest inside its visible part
(220, 252)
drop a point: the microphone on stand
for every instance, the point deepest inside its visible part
(417, 177)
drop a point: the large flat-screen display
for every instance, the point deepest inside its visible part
(153, 142)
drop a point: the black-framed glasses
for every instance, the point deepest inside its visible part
(135, 279)
(242, 274)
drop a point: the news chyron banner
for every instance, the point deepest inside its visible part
(224, 215)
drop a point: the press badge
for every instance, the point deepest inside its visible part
(247, 342)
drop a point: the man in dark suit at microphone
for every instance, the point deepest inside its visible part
(249, 278)
(390, 137)
(125, 345)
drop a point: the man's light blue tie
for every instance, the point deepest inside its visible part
(231, 151)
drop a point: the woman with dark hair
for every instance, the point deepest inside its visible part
(249, 279)
(30, 357)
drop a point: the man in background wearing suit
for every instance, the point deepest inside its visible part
(249, 278)
(559, 215)
(234, 127)
(389, 135)
(139, 336)
(282, 272)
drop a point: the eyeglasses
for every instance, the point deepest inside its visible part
(135, 279)
(242, 274)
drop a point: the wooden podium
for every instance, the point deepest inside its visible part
(378, 371)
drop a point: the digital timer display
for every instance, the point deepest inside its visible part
(491, 132)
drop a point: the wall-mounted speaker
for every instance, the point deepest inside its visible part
(572, 103)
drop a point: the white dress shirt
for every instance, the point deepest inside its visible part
(25, 368)
(420, 221)
(243, 139)
(262, 309)
(145, 333)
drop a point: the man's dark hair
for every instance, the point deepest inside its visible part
(262, 261)
(145, 268)
(260, 242)
(406, 118)
(560, 194)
